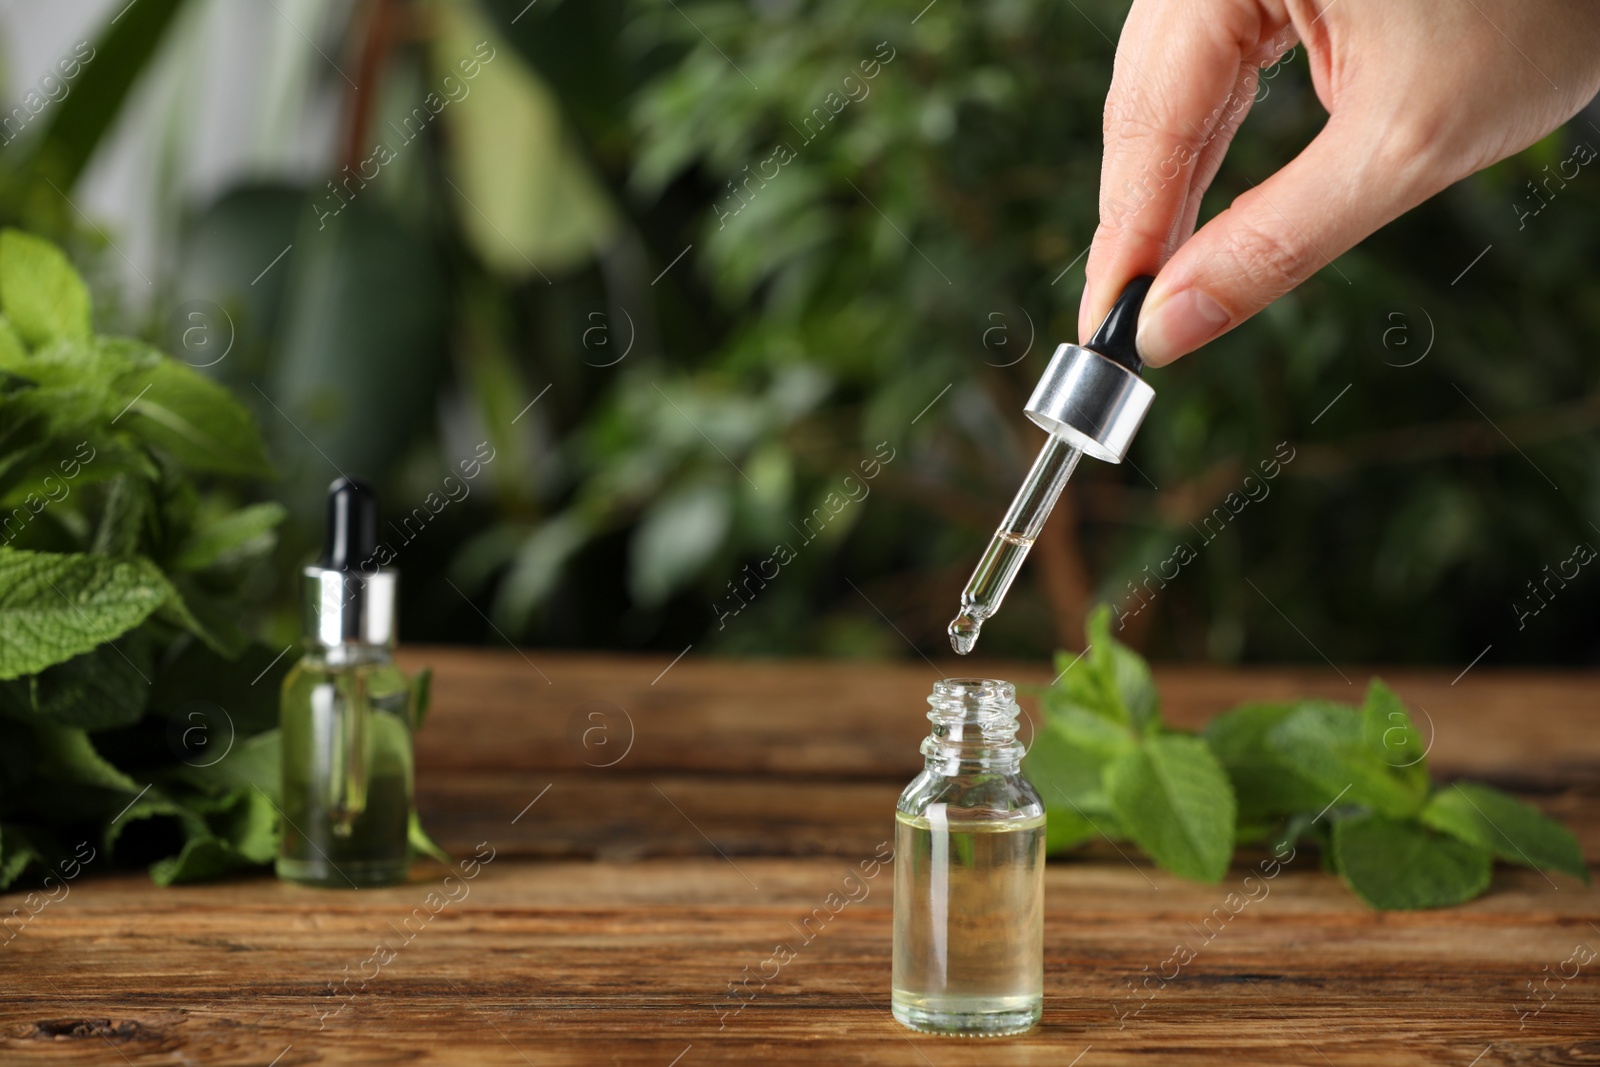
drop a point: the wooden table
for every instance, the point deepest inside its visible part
(657, 830)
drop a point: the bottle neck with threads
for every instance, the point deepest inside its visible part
(974, 727)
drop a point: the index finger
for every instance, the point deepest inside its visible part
(1173, 105)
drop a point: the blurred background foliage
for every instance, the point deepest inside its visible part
(662, 275)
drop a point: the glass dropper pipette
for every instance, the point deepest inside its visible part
(1090, 399)
(1015, 536)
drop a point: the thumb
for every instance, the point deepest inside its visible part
(1348, 182)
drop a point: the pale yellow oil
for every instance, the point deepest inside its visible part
(968, 923)
(346, 774)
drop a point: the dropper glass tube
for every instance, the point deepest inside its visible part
(1015, 536)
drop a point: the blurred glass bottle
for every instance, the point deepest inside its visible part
(346, 715)
(969, 872)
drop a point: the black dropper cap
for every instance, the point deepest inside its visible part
(1115, 339)
(352, 533)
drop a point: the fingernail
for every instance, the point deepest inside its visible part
(1181, 323)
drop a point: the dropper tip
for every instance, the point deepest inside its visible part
(963, 630)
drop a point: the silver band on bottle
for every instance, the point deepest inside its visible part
(345, 607)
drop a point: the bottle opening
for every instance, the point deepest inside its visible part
(981, 689)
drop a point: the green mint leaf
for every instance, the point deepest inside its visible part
(1122, 676)
(1065, 829)
(1073, 687)
(1070, 781)
(74, 384)
(1389, 731)
(100, 457)
(1083, 682)
(1173, 798)
(1085, 730)
(66, 754)
(1515, 832)
(249, 763)
(128, 505)
(1398, 863)
(249, 823)
(1062, 771)
(12, 352)
(56, 606)
(1108, 680)
(1327, 745)
(1264, 785)
(16, 852)
(1135, 688)
(1309, 826)
(203, 859)
(41, 294)
(223, 834)
(237, 535)
(193, 419)
(156, 804)
(421, 843)
(92, 360)
(210, 618)
(105, 687)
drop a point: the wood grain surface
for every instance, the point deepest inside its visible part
(647, 833)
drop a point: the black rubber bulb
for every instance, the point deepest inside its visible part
(1116, 336)
(352, 533)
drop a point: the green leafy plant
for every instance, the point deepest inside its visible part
(1355, 780)
(136, 716)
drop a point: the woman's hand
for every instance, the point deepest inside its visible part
(1420, 93)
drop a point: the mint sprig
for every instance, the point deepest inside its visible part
(122, 586)
(1354, 780)
(1105, 763)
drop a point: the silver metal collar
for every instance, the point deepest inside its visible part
(343, 607)
(1092, 402)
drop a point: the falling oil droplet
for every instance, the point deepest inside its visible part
(963, 630)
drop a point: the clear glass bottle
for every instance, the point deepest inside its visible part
(346, 714)
(969, 872)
